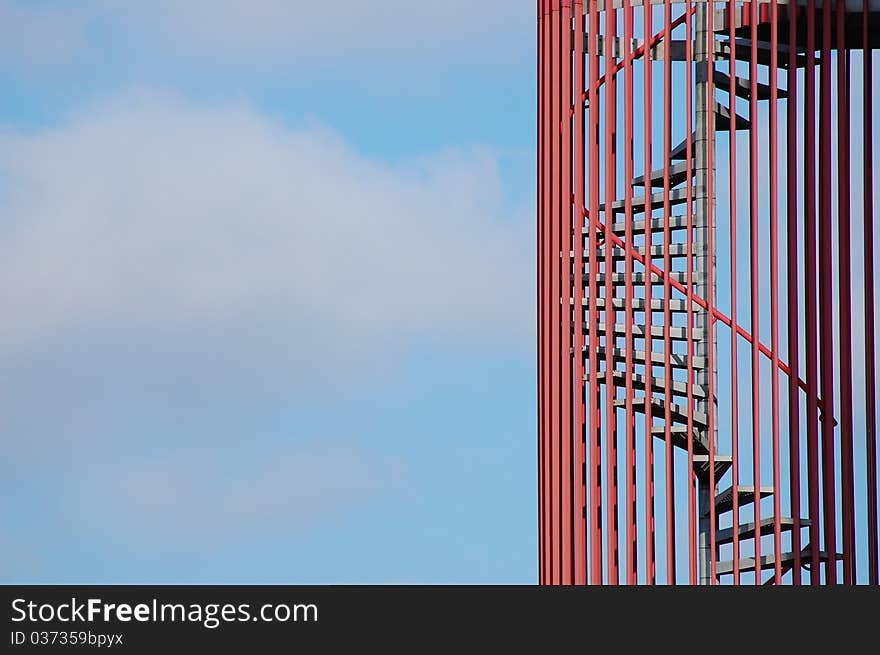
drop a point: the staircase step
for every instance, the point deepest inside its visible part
(639, 304)
(722, 119)
(676, 251)
(679, 437)
(657, 332)
(746, 494)
(747, 530)
(722, 465)
(769, 561)
(638, 226)
(658, 384)
(742, 87)
(639, 278)
(742, 51)
(678, 173)
(656, 200)
(679, 413)
(679, 152)
(677, 361)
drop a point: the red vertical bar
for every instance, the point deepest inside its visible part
(691, 403)
(792, 172)
(595, 411)
(810, 291)
(734, 363)
(754, 299)
(710, 322)
(826, 298)
(555, 460)
(845, 294)
(610, 313)
(547, 131)
(565, 305)
(630, 430)
(873, 491)
(650, 565)
(667, 294)
(774, 294)
(580, 539)
(540, 285)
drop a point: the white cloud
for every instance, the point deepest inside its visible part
(173, 273)
(265, 34)
(210, 497)
(159, 216)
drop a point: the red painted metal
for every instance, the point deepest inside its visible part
(610, 314)
(595, 467)
(810, 289)
(793, 296)
(873, 491)
(580, 523)
(774, 297)
(565, 226)
(689, 332)
(650, 542)
(630, 422)
(845, 299)
(754, 239)
(826, 299)
(602, 252)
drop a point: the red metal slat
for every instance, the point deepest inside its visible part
(667, 307)
(845, 295)
(595, 467)
(539, 239)
(650, 564)
(754, 272)
(630, 429)
(555, 460)
(689, 181)
(611, 535)
(774, 295)
(873, 491)
(565, 239)
(810, 309)
(793, 293)
(547, 131)
(710, 277)
(826, 298)
(580, 527)
(734, 363)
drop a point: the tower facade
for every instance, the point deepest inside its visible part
(706, 383)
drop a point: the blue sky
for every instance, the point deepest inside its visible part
(269, 292)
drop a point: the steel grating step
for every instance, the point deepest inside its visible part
(676, 197)
(742, 51)
(676, 251)
(722, 465)
(639, 304)
(657, 332)
(657, 384)
(769, 561)
(722, 119)
(746, 495)
(679, 437)
(766, 526)
(678, 413)
(742, 87)
(678, 173)
(677, 361)
(638, 226)
(639, 278)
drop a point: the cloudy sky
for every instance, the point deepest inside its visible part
(267, 287)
